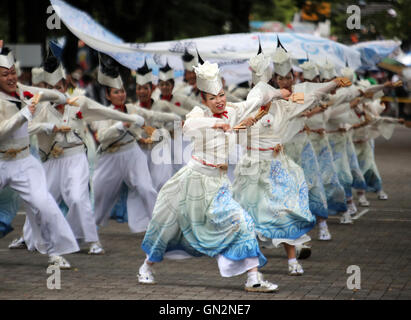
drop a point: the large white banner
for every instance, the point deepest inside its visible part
(372, 52)
(230, 51)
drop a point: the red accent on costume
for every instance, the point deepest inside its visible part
(27, 95)
(121, 108)
(220, 115)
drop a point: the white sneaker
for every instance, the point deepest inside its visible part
(346, 218)
(146, 274)
(18, 244)
(324, 234)
(295, 269)
(96, 249)
(382, 195)
(362, 200)
(260, 285)
(352, 209)
(302, 251)
(59, 261)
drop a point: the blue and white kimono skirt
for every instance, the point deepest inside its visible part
(358, 178)
(366, 160)
(301, 151)
(338, 143)
(334, 191)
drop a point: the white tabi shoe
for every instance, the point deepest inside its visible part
(346, 218)
(96, 249)
(146, 274)
(295, 269)
(260, 285)
(302, 251)
(61, 262)
(18, 244)
(382, 195)
(362, 200)
(352, 208)
(324, 234)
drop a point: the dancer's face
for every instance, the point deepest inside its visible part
(40, 85)
(285, 82)
(59, 86)
(190, 77)
(144, 92)
(215, 103)
(8, 80)
(166, 87)
(116, 96)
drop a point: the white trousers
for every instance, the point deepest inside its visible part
(160, 163)
(68, 179)
(129, 166)
(51, 233)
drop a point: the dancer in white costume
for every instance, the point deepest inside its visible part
(166, 87)
(64, 139)
(195, 212)
(121, 159)
(370, 124)
(22, 172)
(159, 155)
(269, 184)
(338, 118)
(315, 129)
(188, 86)
(37, 80)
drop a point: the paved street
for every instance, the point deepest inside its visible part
(379, 243)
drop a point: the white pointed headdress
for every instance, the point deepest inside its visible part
(208, 78)
(282, 60)
(144, 75)
(55, 76)
(37, 75)
(189, 61)
(166, 73)
(53, 70)
(108, 81)
(108, 74)
(327, 70)
(349, 73)
(260, 67)
(310, 70)
(6, 58)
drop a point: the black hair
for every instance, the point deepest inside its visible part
(187, 57)
(144, 69)
(260, 50)
(279, 44)
(5, 51)
(109, 66)
(171, 80)
(200, 60)
(203, 95)
(51, 64)
(150, 83)
(166, 68)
